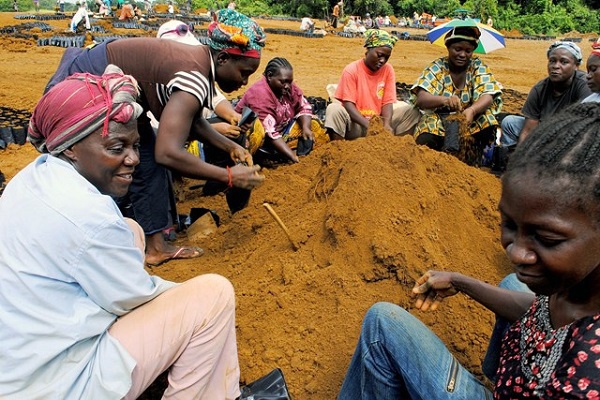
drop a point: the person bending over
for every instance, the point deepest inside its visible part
(177, 81)
(221, 113)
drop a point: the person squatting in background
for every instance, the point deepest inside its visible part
(367, 88)
(287, 117)
(564, 85)
(80, 15)
(593, 73)
(457, 83)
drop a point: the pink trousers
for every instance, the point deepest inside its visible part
(191, 329)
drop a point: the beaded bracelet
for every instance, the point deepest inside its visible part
(230, 178)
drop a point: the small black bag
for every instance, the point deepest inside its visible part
(305, 146)
(500, 158)
(270, 387)
(451, 137)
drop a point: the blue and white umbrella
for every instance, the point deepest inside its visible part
(489, 40)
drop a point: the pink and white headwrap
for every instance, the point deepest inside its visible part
(79, 106)
(596, 48)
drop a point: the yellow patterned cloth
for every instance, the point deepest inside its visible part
(194, 147)
(291, 135)
(436, 80)
(255, 136)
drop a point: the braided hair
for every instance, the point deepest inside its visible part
(563, 152)
(275, 65)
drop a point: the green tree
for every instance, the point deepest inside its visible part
(483, 9)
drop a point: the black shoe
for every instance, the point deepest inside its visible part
(270, 387)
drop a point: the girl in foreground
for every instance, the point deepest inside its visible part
(550, 209)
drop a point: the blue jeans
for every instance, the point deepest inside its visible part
(398, 357)
(511, 129)
(492, 356)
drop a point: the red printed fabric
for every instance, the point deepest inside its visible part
(577, 371)
(80, 105)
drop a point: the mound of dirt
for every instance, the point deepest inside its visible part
(370, 216)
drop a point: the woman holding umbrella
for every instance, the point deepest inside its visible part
(455, 83)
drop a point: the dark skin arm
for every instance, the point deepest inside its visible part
(355, 115)
(204, 131)
(483, 103)
(225, 111)
(428, 101)
(282, 148)
(175, 123)
(432, 287)
(304, 121)
(386, 114)
(530, 124)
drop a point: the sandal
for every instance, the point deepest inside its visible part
(182, 253)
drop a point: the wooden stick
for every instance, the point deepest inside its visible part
(281, 224)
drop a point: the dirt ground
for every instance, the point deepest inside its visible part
(369, 217)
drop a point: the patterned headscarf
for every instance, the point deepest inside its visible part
(236, 34)
(79, 106)
(570, 46)
(379, 38)
(596, 48)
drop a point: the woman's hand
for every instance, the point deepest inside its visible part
(308, 134)
(431, 288)
(246, 177)
(469, 114)
(227, 130)
(452, 103)
(240, 155)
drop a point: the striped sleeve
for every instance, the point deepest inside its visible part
(191, 82)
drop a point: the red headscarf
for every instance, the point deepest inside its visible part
(596, 48)
(79, 106)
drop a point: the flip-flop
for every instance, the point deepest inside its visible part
(180, 255)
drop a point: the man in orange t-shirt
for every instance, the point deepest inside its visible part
(366, 89)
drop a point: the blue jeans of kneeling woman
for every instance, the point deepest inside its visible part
(398, 357)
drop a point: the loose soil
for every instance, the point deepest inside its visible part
(369, 216)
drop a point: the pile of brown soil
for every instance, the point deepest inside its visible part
(370, 216)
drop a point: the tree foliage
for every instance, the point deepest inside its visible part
(547, 17)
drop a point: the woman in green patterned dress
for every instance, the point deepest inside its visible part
(457, 83)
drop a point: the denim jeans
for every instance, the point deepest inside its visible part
(492, 356)
(511, 129)
(398, 357)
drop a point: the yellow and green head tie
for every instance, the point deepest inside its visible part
(379, 38)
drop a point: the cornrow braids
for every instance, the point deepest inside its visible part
(564, 150)
(275, 65)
